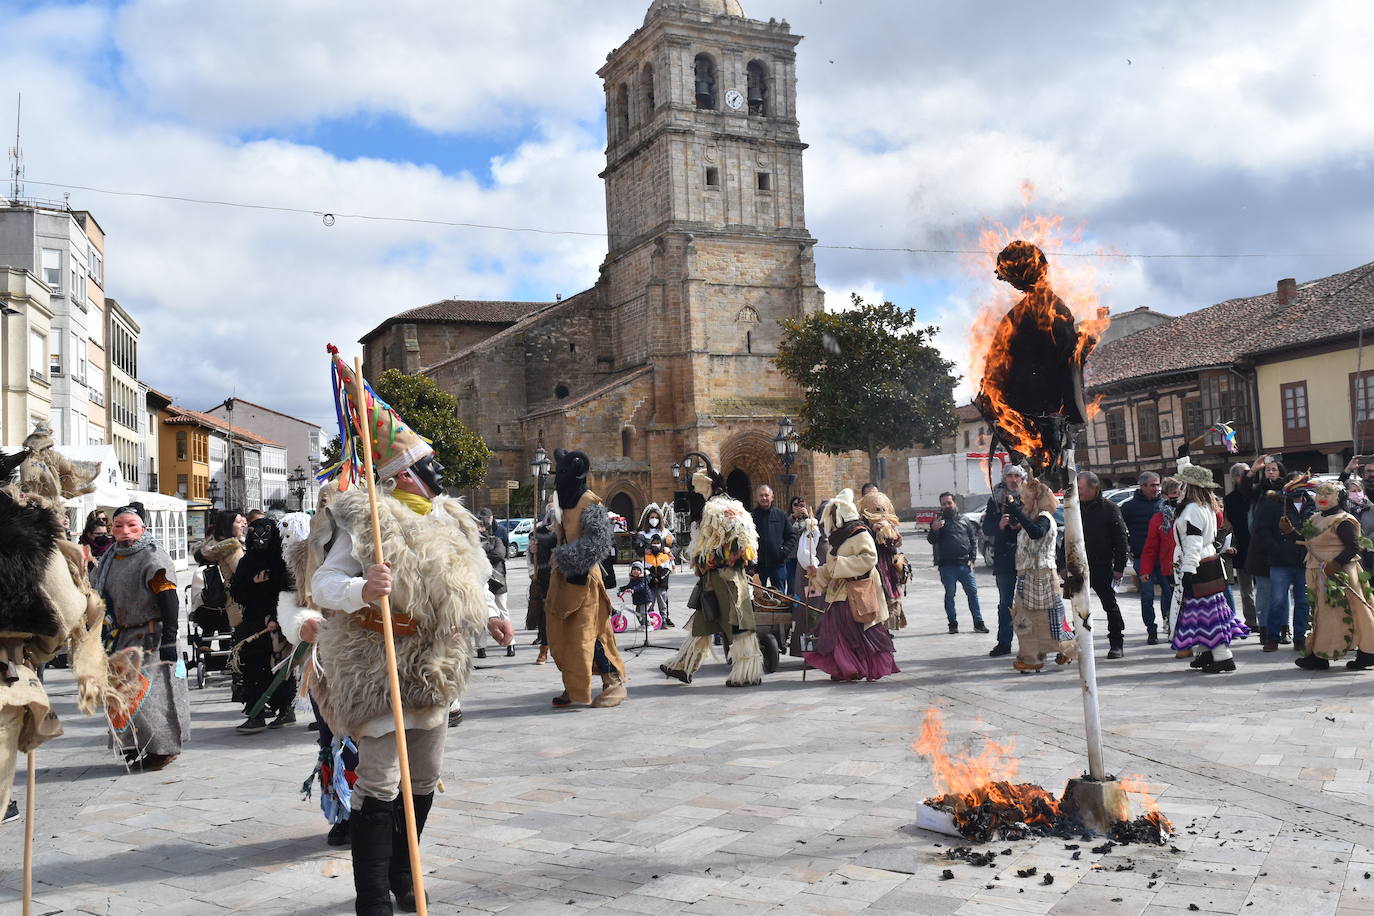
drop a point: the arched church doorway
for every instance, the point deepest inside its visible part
(737, 485)
(622, 504)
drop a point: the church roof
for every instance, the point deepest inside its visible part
(468, 311)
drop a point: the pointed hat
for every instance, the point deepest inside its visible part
(395, 446)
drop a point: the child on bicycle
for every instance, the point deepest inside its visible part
(638, 590)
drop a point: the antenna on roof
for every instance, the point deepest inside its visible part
(17, 154)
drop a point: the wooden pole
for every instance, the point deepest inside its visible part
(1076, 556)
(28, 834)
(388, 640)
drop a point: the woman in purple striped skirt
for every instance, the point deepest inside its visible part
(1206, 624)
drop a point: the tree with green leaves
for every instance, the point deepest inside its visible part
(871, 378)
(433, 413)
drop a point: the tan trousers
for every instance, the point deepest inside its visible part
(379, 770)
(576, 617)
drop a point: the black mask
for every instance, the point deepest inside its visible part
(570, 476)
(263, 534)
(431, 474)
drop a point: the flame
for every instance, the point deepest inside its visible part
(1074, 280)
(961, 775)
(1136, 785)
(1094, 407)
(978, 790)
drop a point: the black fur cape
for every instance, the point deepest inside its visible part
(28, 537)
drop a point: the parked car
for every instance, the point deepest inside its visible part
(1119, 495)
(518, 531)
(982, 541)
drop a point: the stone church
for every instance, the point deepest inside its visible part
(670, 351)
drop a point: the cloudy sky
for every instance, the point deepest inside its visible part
(1153, 129)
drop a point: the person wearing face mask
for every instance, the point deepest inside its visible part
(436, 575)
(95, 540)
(258, 581)
(139, 584)
(1342, 604)
(1359, 506)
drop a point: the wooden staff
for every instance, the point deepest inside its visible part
(388, 640)
(28, 835)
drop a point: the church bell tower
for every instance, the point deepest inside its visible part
(705, 211)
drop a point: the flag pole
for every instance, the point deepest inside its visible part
(388, 640)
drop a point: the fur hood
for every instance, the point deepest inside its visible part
(219, 551)
(28, 538)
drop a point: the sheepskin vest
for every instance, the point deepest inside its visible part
(438, 578)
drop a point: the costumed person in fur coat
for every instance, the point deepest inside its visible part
(848, 648)
(881, 518)
(1037, 607)
(1342, 604)
(1207, 624)
(138, 581)
(436, 576)
(45, 604)
(542, 542)
(723, 546)
(577, 609)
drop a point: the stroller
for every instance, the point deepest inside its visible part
(210, 639)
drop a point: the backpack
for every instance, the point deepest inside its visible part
(212, 593)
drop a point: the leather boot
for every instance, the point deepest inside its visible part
(543, 655)
(399, 875)
(371, 828)
(613, 692)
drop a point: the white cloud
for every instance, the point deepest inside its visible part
(1228, 129)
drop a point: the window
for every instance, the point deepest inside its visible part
(58, 422)
(55, 357)
(763, 181)
(78, 360)
(181, 485)
(622, 110)
(967, 439)
(712, 177)
(38, 353)
(97, 329)
(52, 268)
(704, 73)
(1116, 434)
(181, 445)
(1362, 403)
(758, 89)
(1192, 418)
(624, 443)
(96, 381)
(1225, 400)
(1147, 430)
(560, 392)
(646, 90)
(95, 267)
(1293, 397)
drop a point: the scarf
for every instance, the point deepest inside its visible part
(117, 552)
(416, 503)
(845, 532)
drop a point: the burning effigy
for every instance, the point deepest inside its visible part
(979, 799)
(1032, 387)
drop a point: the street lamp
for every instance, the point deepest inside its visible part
(785, 444)
(297, 484)
(213, 490)
(539, 470)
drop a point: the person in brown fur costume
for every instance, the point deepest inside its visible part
(45, 603)
(436, 576)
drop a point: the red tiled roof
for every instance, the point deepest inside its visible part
(1219, 335)
(470, 311)
(182, 416)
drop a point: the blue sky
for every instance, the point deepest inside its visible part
(1172, 128)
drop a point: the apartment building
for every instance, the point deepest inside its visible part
(288, 472)
(25, 326)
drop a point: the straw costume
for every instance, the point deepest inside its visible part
(437, 584)
(724, 543)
